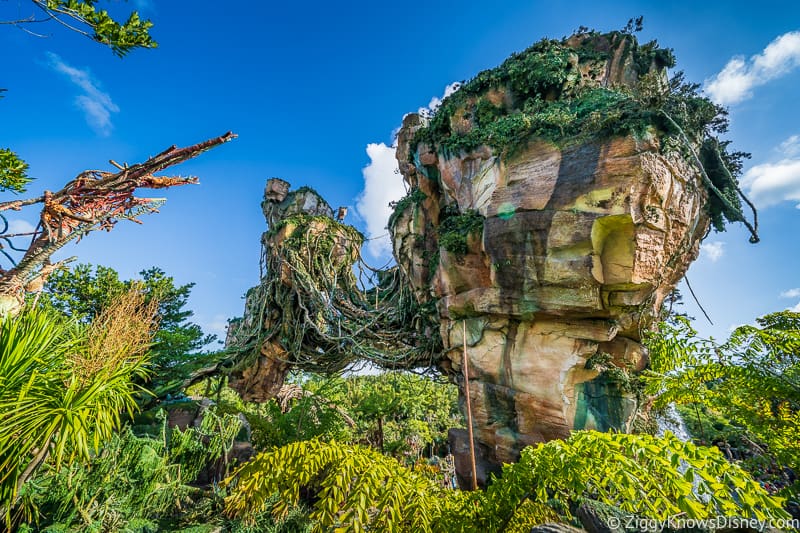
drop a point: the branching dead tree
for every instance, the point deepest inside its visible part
(94, 200)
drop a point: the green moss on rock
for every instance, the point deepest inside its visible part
(455, 229)
(546, 96)
(585, 87)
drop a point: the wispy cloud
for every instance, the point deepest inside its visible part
(736, 81)
(436, 101)
(791, 293)
(772, 183)
(216, 324)
(96, 104)
(790, 146)
(382, 184)
(18, 225)
(713, 250)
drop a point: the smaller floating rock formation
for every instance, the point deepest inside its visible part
(260, 375)
(311, 311)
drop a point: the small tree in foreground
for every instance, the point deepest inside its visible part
(65, 385)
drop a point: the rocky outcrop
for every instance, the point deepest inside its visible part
(556, 255)
(259, 375)
(312, 309)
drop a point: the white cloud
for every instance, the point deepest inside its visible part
(792, 293)
(790, 146)
(713, 250)
(96, 105)
(736, 81)
(382, 184)
(218, 325)
(435, 102)
(772, 183)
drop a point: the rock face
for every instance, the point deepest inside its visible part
(568, 251)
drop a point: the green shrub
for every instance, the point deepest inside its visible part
(356, 489)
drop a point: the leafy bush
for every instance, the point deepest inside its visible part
(645, 475)
(134, 482)
(753, 378)
(356, 489)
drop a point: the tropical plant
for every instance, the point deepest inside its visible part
(645, 475)
(753, 378)
(395, 412)
(399, 413)
(295, 414)
(63, 386)
(134, 479)
(84, 290)
(356, 489)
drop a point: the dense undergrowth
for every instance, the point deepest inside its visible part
(364, 452)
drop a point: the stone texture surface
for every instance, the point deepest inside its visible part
(579, 246)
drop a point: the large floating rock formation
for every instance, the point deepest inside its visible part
(556, 249)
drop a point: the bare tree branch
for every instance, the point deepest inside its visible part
(94, 200)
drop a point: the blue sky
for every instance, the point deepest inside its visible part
(315, 90)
